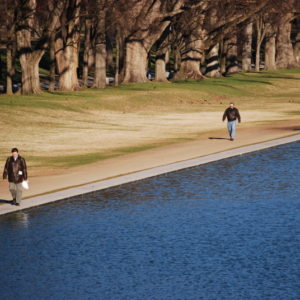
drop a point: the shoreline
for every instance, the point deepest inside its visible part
(212, 146)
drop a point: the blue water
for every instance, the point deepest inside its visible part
(225, 230)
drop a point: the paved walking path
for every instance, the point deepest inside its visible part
(149, 172)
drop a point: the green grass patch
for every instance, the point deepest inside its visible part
(144, 96)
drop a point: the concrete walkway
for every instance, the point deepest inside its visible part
(103, 184)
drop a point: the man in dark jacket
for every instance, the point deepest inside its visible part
(232, 114)
(16, 171)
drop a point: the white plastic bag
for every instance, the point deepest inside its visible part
(25, 184)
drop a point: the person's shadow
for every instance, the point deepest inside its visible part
(217, 138)
(5, 201)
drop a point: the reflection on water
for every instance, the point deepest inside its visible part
(225, 230)
(18, 219)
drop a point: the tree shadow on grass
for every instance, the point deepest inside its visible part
(249, 81)
(270, 75)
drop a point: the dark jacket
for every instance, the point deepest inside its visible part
(231, 114)
(15, 170)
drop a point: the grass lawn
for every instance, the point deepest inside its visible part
(64, 129)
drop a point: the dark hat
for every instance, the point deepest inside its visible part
(14, 150)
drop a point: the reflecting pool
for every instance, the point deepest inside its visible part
(224, 230)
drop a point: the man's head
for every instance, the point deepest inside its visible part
(231, 105)
(14, 152)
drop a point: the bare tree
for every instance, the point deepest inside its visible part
(270, 45)
(162, 56)
(66, 45)
(31, 53)
(232, 65)
(29, 29)
(141, 23)
(212, 58)
(261, 26)
(284, 49)
(192, 36)
(118, 41)
(218, 19)
(10, 9)
(223, 54)
(247, 32)
(52, 63)
(270, 52)
(87, 42)
(100, 44)
(297, 42)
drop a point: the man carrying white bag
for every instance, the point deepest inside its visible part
(15, 170)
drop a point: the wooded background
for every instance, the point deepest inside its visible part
(79, 43)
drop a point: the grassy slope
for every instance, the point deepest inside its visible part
(263, 91)
(248, 86)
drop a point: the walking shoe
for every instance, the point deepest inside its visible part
(231, 139)
(17, 204)
(13, 202)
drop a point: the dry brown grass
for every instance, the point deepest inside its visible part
(67, 129)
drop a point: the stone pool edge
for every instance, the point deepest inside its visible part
(139, 175)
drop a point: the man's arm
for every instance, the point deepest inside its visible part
(238, 115)
(5, 171)
(224, 115)
(24, 169)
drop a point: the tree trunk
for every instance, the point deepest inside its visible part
(100, 47)
(190, 68)
(191, 57)
(297, 44)
(29, 59)
(270, 52)
(160, 68)
(117, 68)
(284, 49)
(136, 62)
(87, 47)
(223, 51)
(30, 73)
(100, 66)
(30, 70)
(232, 65)
(297, 49)
(212, 59)
(257, 57)
(30, 53)
(52, 63)
(66, 47)
(9, 68)
(177, 59)
(109, 56)
(67, 64)
(10, 46)
(213, 65)
(247, 47)
(261, 30)
(161, 60)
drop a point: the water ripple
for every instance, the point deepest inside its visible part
(224, 230)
